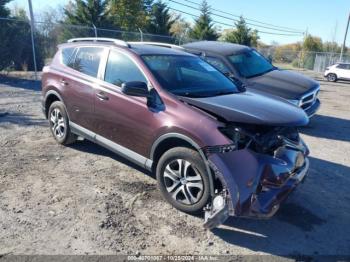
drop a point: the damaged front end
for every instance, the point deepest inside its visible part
(256, 172)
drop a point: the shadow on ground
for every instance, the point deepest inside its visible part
(21, 83)
(20, 119)
(92, 148)
(328, 127)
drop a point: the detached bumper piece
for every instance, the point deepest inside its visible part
(256, 184)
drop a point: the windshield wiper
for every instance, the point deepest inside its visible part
(263, 73)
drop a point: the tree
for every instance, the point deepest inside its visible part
(4, 35)
(86, 12)
(254, 38)
(242, 34)
(129, 15)
(50, 30)
(4, 11)
(311, 45)
(15, 45)
(332, 47)
(179, 30)
(160, 21)
(203, 27)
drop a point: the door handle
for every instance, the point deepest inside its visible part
(102, 96)
(64, 82)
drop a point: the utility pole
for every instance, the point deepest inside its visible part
(32, 28)
(141, 34)
(95, 29)
(343, 46)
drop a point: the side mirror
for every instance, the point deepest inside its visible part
(135, 88)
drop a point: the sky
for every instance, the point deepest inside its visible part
(323, 18)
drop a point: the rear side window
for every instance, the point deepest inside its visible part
(87, 60)
(67, 55)
(121, 69)
(343, 66)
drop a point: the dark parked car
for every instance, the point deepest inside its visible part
(248, 66)
(213, 145)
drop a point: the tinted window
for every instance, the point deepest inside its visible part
(250, 64)
(87, 60)
(67, 56)
(188, 76)
(216, 62)
(344, 66)
(121, 69)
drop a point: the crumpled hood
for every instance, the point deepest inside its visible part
(251, 108)
(283, 83)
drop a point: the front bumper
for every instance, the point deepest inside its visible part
(257, 184)
(266, 204)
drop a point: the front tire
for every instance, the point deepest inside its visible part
(183, 180)
(332, 77)
(59, 124)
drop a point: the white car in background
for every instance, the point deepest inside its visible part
(337, 72)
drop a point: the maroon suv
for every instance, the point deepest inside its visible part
(213, 145)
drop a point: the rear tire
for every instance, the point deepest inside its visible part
(183, 180)
(59, 124)
(332, 77)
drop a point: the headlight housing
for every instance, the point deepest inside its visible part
(241, 138)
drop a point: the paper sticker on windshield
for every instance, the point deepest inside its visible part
(207, 66)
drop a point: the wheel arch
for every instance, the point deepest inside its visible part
(50, 97)
(170, 140)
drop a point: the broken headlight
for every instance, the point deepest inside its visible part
(260, 139)
(241, 138)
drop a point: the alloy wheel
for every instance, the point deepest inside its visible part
(57, 123)
(183, 182)
(331, 77)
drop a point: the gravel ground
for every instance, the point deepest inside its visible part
(83, 199)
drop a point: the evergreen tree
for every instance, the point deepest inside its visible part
(242, 34)
(86, 12)
(129, 15)
(4, 35)
(203, 27)
(161, 21)
(4, 11)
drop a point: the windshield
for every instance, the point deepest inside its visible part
(189, 76)
(250, 64)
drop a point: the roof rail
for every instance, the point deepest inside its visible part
(99, 39)
(158, 44)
